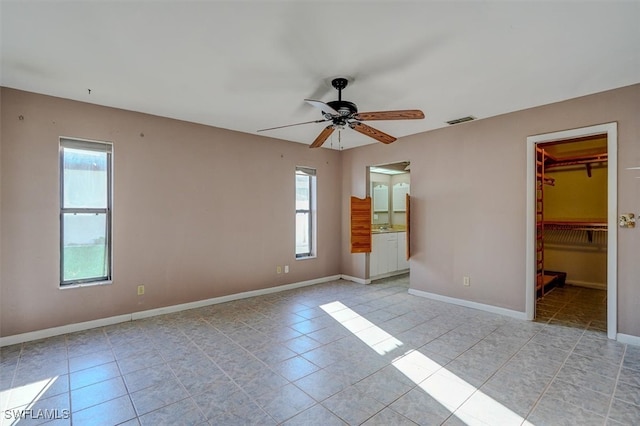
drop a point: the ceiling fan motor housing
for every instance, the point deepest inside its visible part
(345, 108)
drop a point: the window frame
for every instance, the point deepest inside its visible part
(95, 146)
(311, 174)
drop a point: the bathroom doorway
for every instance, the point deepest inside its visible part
(389, 188)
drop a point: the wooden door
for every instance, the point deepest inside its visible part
(360, 225)
(408, 221)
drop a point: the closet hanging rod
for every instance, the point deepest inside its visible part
(576, 225)
(575, 161)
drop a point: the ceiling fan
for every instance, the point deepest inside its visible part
(344, 114)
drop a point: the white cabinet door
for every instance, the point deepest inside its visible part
(387, 253)
(403, 263)
(377, 241)
(391, 252)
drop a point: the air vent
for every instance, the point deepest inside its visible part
(461, 120)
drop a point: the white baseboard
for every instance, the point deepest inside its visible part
(63, 329)
(389, 274)
(587, 284)
(103, 322)
(628, 339)
(469, 304)
(355, 279)
(228, 298)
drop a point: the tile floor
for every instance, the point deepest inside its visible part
(574, 306)
(336, 353)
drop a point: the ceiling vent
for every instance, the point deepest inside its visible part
(461, 120)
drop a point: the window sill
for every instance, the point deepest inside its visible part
(97, 283)
(307, 257)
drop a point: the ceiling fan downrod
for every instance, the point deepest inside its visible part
(345, 109)
(339, 83)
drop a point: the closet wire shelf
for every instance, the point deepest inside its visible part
(575, 232)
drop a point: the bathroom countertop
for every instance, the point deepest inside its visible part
(376, 229)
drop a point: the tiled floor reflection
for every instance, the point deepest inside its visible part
(378, 357)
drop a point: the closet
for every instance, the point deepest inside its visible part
(571, 213)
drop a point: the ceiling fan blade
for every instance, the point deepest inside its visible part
(323, 136)
(322, 106)
(403, 114)
(291, 125)
(372, 133)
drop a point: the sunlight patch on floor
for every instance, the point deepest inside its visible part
(24, 397)
(464, 400)
(376, 338)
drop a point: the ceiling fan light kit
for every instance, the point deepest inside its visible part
(343, 114)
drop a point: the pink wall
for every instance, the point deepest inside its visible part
(199, 212)
(202, 212)
(468, 200)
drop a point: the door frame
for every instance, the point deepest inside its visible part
(611, 130)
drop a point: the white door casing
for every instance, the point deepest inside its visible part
(611, 130)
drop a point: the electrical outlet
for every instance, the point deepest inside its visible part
(140, 290)
(278, 269)
(286, 269)
(466, 281)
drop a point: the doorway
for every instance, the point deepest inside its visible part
(571, 232)
(389, 186)
(533, 278)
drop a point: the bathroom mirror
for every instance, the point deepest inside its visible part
(389, 185)
(380, 201)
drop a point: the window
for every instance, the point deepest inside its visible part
(305, 209)
(85, 212)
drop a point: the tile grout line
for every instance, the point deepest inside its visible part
(615, 385)
(129, 393)
(201, 318)
(556, 374)
(499, 368)
(548, 385)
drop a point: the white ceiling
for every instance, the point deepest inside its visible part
(247, 65)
